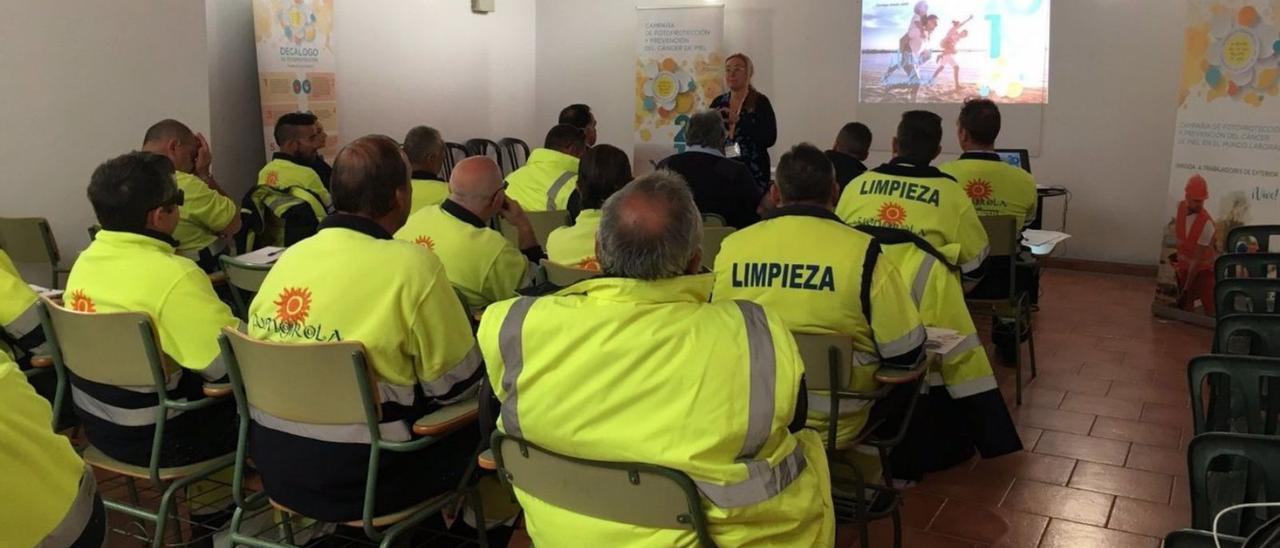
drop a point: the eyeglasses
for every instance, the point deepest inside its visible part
(500, 190)
(174, 200)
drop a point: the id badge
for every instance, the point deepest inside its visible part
(732, 150)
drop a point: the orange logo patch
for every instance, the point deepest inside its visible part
(272, 178)
(892, 214)
(294, 305)
(81, 302)
(978, 189)
(589, 263)
(425, 241)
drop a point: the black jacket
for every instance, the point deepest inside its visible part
(848, 168)
(720, 185)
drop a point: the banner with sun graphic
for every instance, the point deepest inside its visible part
(679, 71)
(1224, 172)
(297, 70)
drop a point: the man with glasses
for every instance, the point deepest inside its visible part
(208, 217)
(479, 261)
(131, 267)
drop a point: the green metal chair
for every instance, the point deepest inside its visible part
(829, 366)
(1005, 240)
(565, 276)
(312, 383)
(244, 278)
(712, 237)
(1246, 265)
(1241, 379)
(1247, 296)
(1262, 453)
(30, 240)
(1255, 238)
(122, 349)
(1194, 538)
(543, 223)
(637, 494)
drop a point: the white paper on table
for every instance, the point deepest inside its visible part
(1042, 242)
(46, 292)
(266, 255)
(940, 340)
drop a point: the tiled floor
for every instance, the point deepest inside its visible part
(1105, 426)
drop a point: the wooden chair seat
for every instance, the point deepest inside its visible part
(378, 521)
(447, 418)
(97, 459)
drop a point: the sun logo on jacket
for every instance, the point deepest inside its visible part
(978, 189)
(293, 306)
(892, 214)
(81, 302)
(425, 241)
(589, 263)
(273, 178)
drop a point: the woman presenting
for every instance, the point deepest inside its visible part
(749, 118)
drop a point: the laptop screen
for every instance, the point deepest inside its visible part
(1017, 157)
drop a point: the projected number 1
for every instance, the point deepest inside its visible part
(996, 38)
(1015, 7)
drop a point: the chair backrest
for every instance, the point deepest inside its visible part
(314, 383)
(1247, 265)
(1002, 234)
(485, 147)
(713, 219)
(516, 152)
(643, 495)
(1252, 238)
(712, 237)
(828, 360)
(1247, 296)
(543, 223)
(1194, 538)
(243, 278)
(1248, 335)
(565, 276)
(1244, 377)
(28, 240)
(453, 153)
(1262, 453)
(113, 348)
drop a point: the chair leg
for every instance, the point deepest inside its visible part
(1031, 345)
(1017, 358)
(897, 526)
(477, 506)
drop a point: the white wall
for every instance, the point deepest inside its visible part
(83, 81)
(1107, 129)
(234, 110)
(403, 63)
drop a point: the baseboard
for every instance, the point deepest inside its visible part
(1124, 269)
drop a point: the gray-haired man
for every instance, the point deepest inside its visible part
(720, 185)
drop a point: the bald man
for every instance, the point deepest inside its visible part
(479, 261)
(208, 216)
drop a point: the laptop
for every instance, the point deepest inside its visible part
(1017, 157)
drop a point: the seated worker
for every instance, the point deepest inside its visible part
(840, 277)
(425, 148)
(51, 497)
(908, 194)
(20, 328)
(290, 192)
(356, 283)
(549, 177)
(639, 367)
(851, 149)
(605, 169)
(580, 116)
(995, 187)
(720, 185)
(479, 261)
(209, 217)
(963, 409)
(131, 267)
